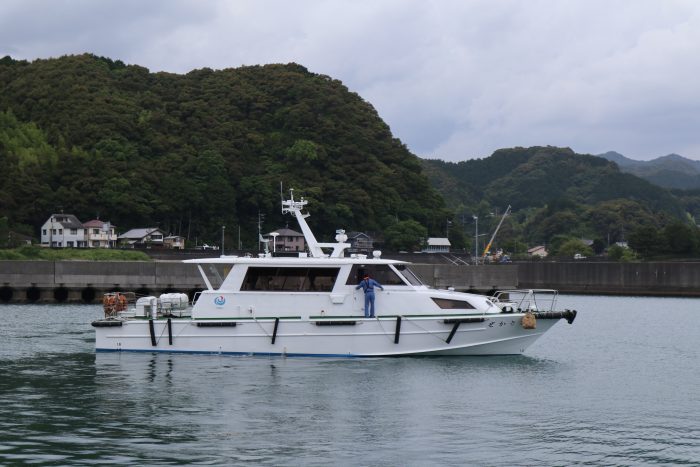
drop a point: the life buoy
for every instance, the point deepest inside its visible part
(121, 303)
(108, 303)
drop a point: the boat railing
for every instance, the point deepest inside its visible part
(527, 299)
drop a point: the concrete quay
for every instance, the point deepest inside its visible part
(668, 278)
(87, 281)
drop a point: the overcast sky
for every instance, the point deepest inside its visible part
(454, 80)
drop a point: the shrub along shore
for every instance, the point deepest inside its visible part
(32, 252)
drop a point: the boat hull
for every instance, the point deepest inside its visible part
(501, 334)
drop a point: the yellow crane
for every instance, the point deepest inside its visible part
(488, 245)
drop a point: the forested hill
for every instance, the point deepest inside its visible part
(95, 137)
(554, 191)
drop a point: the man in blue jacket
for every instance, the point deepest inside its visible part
(368, 286)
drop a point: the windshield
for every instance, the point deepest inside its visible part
(410, 276)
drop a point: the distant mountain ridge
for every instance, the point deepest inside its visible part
(670, 171)
(553, 192)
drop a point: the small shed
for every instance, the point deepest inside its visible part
(538, 250)
(437, 245)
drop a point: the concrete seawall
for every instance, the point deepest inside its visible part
(657, 278)
(86, 281)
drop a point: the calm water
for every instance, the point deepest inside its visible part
(619, 387)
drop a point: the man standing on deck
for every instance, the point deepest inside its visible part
(368, 286)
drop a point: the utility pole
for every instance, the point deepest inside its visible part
(260, 219)
(476, 239)
(223, 229)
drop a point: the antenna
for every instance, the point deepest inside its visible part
(261, 217)
(281, 197)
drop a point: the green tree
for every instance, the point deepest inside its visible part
(573, 246)
(619, 253)
(681, 238)
(647, 241)
(4, 232)
(405, 235)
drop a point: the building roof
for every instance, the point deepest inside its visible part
(68, 221)
(96, 223)
(357, 234)
(438, 241)
(536, 248)
(138, 234)
(285, 233)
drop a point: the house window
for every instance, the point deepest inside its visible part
(95, 231)
(95, 243)
(60, 231)
(69, 244)
(53, 231)
(74, 231)
(43, 232)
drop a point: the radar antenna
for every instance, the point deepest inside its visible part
(315, 248)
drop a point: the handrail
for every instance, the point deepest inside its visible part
(527, 299)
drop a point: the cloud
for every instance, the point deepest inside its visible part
(453, 79)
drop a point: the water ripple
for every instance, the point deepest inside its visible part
(612, 389)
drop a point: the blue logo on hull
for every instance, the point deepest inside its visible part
(220, 300)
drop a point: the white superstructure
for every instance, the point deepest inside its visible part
(309, 306)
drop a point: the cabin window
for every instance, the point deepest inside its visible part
(290, 279)
(381, 273)
(410, 276)
(449, 304)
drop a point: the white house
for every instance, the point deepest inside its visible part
(437, 245)
(539, 250)
(63, 231)
(150, 236)
(174, 242)
(100, 234)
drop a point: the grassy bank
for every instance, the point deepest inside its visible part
(88, 254)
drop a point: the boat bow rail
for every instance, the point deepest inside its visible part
(540, 302)
(526, 300)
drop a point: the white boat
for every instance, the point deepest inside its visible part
(308, 305)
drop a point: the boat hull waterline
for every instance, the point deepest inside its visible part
(361, 337)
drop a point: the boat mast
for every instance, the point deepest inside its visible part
(315, 248)
(295, 208)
